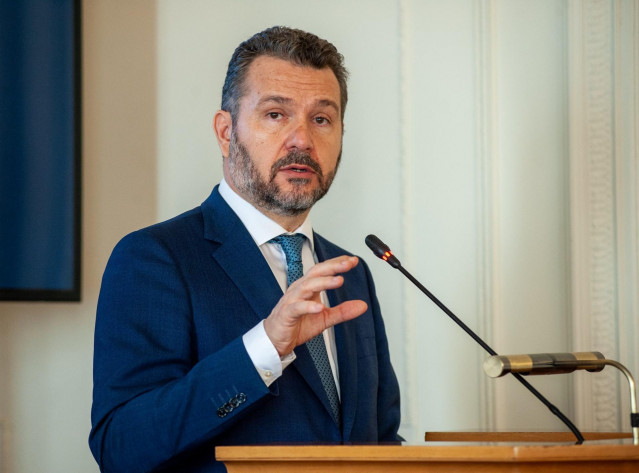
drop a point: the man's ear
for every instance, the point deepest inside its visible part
(222, 126)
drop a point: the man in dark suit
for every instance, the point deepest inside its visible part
(234, 323)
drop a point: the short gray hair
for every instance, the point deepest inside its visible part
(289, 44)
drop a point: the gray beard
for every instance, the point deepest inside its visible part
(267, 195)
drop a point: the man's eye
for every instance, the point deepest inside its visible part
(274, 115)
(321, 120)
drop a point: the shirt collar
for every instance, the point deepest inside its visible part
(260, 227)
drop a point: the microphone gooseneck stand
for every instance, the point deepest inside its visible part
(382, 251)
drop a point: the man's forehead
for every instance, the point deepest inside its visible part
(276, 79)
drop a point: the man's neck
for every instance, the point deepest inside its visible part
(289, 223)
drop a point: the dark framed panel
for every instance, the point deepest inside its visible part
(40, 150)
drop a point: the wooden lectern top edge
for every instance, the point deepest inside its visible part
(383, 453)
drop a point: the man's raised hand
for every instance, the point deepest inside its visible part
(300, 315)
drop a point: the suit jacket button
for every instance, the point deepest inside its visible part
(241, 397)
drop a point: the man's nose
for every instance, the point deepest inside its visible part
(300, 136)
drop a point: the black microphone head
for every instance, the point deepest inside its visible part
(377, 245)
(381, 250)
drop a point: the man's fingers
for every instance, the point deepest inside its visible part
(333, 266)
(324, 276)
(300, 315)
(301, 308)
(315, 323)
(308, 286)
(330, 315)
(308, 319)
(345, 311)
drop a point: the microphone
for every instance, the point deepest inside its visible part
(381, 250)
(544, 363)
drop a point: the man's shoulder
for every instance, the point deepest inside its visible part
(174, 228)
(189, 225)
(170, 235)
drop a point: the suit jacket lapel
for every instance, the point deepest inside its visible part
(239, 256)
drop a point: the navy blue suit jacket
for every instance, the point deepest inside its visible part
(172, 378)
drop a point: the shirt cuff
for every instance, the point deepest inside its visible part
(263, 354)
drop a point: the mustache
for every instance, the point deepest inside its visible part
(296, 157)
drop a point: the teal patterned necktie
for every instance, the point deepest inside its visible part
(292, 247)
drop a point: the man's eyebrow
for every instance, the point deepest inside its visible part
(328, 103)
(286, 100)
(274, 98)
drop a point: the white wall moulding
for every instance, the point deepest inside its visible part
(626, 127)
(407, 156)
(603, 155)
(486, 123)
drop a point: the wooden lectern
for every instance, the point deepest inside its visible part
(548, 458)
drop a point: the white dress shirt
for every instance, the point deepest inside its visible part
(262, 229)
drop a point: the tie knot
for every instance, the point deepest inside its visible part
(291, 245)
